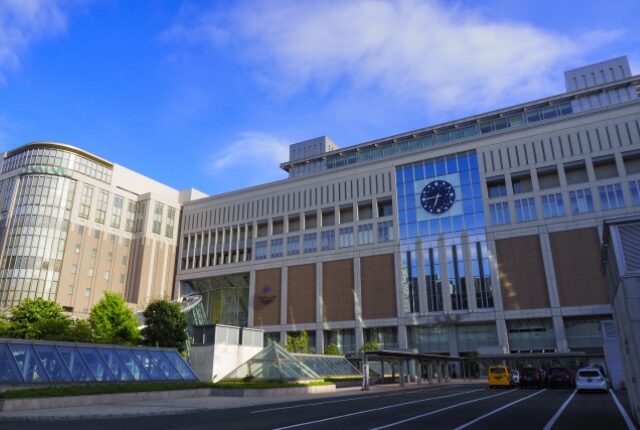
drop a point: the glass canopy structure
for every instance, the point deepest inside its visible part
(273, 363)
(39, 362)
(328, 365)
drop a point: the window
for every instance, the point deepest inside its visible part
(611, 196)
(346, 237)
(385, 208)
(294, 223)
(521, 183)
(80, 230)
(70, 289)
(581, 201)
(293, 245)
(525, 210)
(125, 259)
(496, 187)
(499, 213)
(74, 268)
(605, 168)
(276, 248)
(116, 211)
(576, 173)
(96, 234)
(106, 275)
(365, 234)
(94, 252)
(85, 201)
(328, 240)
(131, 216)
(157, 218)
(77, 249)
(552, 206)
(631, 162)
(365, 211)
(101, 207)
(87, 292)
(328, 217)
(385, 231)
(346, 214)
(635, 192)
(109, 256)
(310, 242)
(170, 222)
(90, 273)
(261, 250)
(122, 278)
(310, 221)
(548, 178)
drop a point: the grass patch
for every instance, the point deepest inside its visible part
(343, 378)
(81, 390)
(267, 384)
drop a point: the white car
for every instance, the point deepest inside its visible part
(590, 379)
(515, 377)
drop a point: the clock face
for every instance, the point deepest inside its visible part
(437, 197)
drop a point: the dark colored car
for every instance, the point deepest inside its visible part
(531, 377)
(560, 377)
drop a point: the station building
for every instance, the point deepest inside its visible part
(73, 225)
(479, 234)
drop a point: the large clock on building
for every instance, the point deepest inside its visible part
(437, 197)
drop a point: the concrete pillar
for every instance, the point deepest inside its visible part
(284, 278)
(422, 283)
(444, 272)
(552, 289)
(419, 372)
(320, 341)
(357, 300)
(468, 272)
(430, 371)
(439, 367)
(252, 294)
(402, 337)
(402, 372)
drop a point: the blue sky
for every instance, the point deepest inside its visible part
(210, 94)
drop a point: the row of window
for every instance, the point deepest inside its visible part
(553, 206)
(346, 239)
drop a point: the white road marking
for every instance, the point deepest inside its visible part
(624, 413)
(397, 405)
(495, 411)
(554, 418)
(417, 417)
(347, 400)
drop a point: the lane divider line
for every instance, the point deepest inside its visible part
(559, 412)
(625, 415)
(365, 397)
(397, 405)
(495, 411)
(417, 417)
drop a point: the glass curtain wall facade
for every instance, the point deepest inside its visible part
(225, 299)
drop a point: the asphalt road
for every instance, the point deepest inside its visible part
(450, 407)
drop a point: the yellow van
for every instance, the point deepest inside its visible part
(500, 376)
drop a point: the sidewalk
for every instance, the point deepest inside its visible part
(197, 404)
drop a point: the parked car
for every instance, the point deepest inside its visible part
(532, 377)
(590, 379)
(500, 376)
(560, 377)
(515, 377)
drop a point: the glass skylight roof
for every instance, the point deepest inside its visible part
(30, 362)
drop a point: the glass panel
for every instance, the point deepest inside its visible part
(165, 365)
(53, 364)
(28, 363)
(115, 365)
(134, 367)
(96, 364)
(149, 365)
(179, 364)
(9, 372)
(76, 364)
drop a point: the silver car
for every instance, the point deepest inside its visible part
(590, 379)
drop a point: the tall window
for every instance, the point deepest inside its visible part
(116, 211)
(261, 250)
(85, 201)
(552, 205)
(157, 218)
(131, 216)
(365, 234)
(310, 242)
(101, 207)
(635, 192)
(276, 248)
(170, 221)
(499, 213)
(581, 201)
(293, 245)
(611, 196)
(328, 240)
(385, 231)
(525, 210)
(346, 237)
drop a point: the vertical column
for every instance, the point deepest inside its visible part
(252, 293)
(422, 284)
(284, 275)
(444, 273)
(465, 244)
(402, 336)
(496, 289)
(402, 328)
(319, 301)
(215, 249)
(552, 288)
(357, 301)
(503, 337)
(230, 247)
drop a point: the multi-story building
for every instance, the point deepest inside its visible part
(73, 225)
(477, 234)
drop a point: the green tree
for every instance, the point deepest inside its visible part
(371, 346)
(79, 331)
(165, 326)
(298, 343)
(4, 326)
(332, 349)
(38, 319)
(113, 322)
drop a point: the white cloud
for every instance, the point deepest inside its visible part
(443, 57)
(22, 22)
(252, 159)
